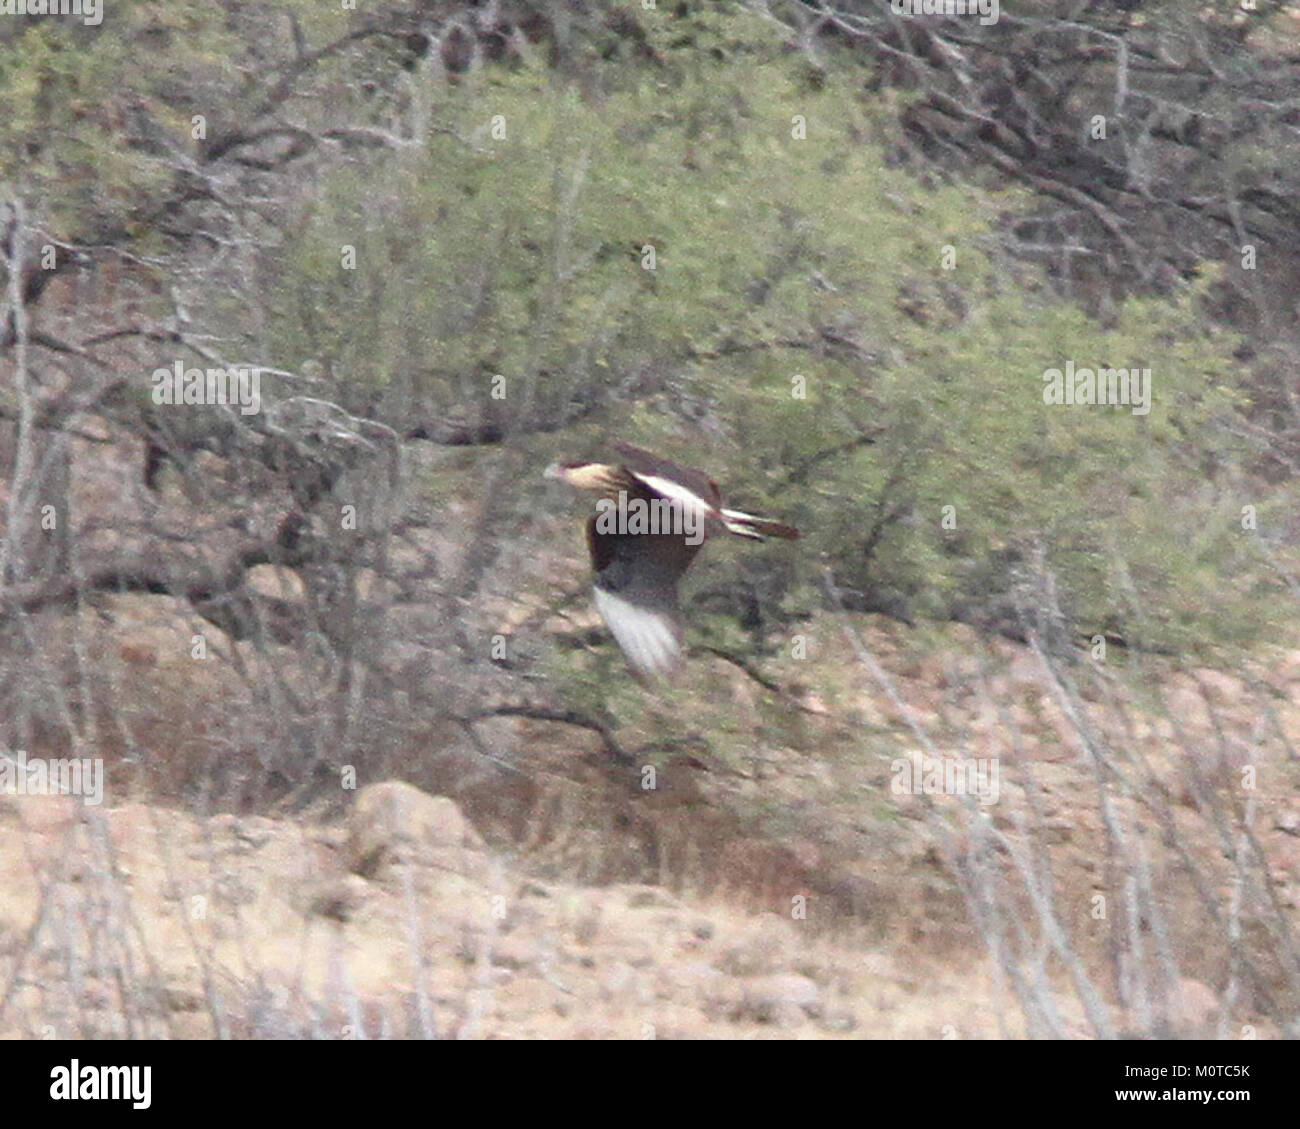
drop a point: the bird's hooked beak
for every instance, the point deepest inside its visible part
(554, 471)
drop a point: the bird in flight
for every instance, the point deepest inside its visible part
(652, 517)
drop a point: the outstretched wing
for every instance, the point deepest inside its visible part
(698, 492)
(691, 488)
(636, 592)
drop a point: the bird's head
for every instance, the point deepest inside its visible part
(582, 475)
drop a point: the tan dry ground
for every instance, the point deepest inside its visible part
(254, 926)
(563, 900)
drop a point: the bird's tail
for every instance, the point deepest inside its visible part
(756, 528)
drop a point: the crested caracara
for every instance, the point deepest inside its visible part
(651, 520)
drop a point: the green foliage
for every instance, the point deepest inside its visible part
(76, 100)
(780, 257)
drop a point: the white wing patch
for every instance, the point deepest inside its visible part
(676, 492)
(648, 637)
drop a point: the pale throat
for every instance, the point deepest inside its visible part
(595, 476)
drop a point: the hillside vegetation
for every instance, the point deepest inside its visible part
(829, 256)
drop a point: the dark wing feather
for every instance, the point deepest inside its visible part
(642, 463)
(636, 592)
